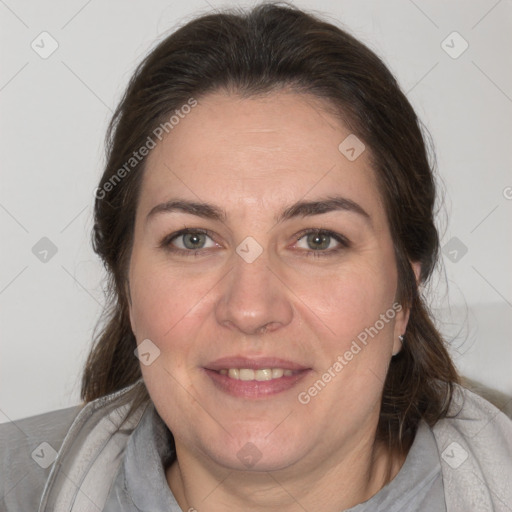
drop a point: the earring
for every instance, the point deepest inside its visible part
(401, 338)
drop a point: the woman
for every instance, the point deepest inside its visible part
(266, 219)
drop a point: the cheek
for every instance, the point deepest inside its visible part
(163, 301)
(167, 310)
(351, 299)
(356, 343)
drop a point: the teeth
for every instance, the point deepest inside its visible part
(259, 375)
(234, 373)
(245, 374)
(265, 374)
(277, 373)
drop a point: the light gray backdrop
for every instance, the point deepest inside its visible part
(64, 65)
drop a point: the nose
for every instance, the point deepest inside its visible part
(254, 299)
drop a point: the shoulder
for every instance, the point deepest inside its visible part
(497, 398)
(473, 415)
(28, 448)
(475, 447)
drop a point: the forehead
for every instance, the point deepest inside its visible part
(264, 151)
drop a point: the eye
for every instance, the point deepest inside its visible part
(320, 242)
(188, 240)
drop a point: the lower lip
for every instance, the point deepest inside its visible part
(254, 389)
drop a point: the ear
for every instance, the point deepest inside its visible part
(402, 317)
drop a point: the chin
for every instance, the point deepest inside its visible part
(265, 452)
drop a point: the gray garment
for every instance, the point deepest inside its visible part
(141, 484)
(419, 483)
(101, 466)
(23, 476)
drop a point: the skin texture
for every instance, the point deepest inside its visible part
(254, 158)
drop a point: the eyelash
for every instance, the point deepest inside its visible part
(344, 242)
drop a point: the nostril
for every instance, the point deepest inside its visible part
(270, 326)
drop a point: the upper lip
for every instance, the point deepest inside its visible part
(254, 363)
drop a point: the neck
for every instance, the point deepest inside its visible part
(330, 486)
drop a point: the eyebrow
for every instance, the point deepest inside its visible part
(298, 209)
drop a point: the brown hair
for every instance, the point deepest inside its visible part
(268, 48)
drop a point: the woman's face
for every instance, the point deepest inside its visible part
(272, 321)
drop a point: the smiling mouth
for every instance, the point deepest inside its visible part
(255, 383)
(261, 375)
